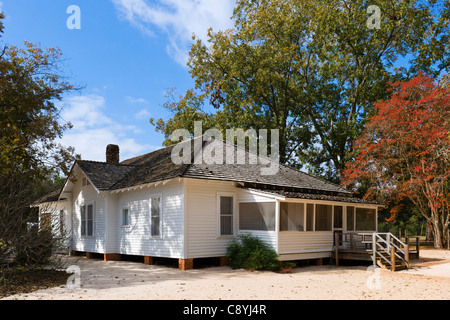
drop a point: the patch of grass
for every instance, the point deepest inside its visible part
(14, 281)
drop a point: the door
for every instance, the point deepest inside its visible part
(337, 223)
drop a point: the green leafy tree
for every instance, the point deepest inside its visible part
(31, 84)
(313, 70)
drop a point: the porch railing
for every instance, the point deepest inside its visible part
(384, 247)
(389, 249)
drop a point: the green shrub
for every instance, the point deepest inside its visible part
(249, 252)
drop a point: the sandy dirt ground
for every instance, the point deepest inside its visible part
(429, 278)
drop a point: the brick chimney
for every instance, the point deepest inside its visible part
(112, 153)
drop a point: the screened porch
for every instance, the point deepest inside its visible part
(304, 229)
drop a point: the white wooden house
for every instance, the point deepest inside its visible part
(148, 206)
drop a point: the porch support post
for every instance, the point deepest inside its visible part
(185, 264)
(407, 254)
(277, 223)
(112, 257)
(393, 258)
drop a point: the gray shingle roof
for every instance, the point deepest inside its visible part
(313, 196)
(104, 175)
(158, 165)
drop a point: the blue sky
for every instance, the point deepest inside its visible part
(126, 55)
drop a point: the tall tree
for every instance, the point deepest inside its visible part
(30, 84)
(404, 152)
(313, 69)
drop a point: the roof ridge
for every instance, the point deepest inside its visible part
(104, 162)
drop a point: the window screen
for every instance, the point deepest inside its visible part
(156, 217)
(257, 216)
(365, 219)
(226, 215)
(350, 218)
(337, 217)
(309, 217)
(323, 217)
(90, 220)
(292, 217)
(125, 217)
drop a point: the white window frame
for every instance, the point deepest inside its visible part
(86, 221)
(233, 216)
(123, 225)
(160, 236)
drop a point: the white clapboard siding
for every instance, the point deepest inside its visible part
(61, 224)
(88, 195)
(302, 242)
(269, 237)
(202, 234)
(252, 196)
(135, 239)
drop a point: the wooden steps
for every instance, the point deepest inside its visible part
(390, 261)
(397, 267)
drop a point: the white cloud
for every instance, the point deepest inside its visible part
(137, 100)
(179, 19)
(143, 114)
(93, 130)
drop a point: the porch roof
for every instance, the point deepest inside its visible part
(314, 196)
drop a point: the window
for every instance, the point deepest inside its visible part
(226, 215)
(155, 217)
(365, 219)
(87, 220)
(125, 217)
(350, 218)
(309, 217)
(83, 220)
(257, 216)
(85, 182)
(61, 223)
(323, 217)
(292, 217)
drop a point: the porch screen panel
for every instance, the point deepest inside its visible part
(365, 219)
(257, 216)
(337, 217)
(309, 217)
(350, 218)
(323, 217)
(292, 217)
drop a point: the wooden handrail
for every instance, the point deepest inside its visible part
(390, 248)
(385, 246)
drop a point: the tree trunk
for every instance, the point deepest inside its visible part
(437, 235)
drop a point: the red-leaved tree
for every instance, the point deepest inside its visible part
(404, 151)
